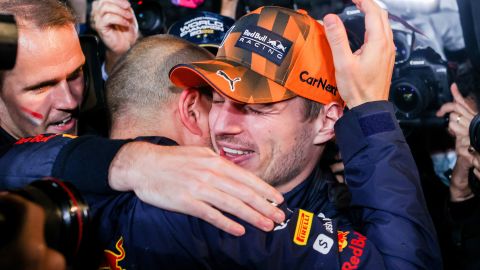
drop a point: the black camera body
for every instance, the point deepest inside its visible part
(150, 16)
(420, 79)
(420, 85)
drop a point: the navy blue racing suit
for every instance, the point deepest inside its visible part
(387, 227)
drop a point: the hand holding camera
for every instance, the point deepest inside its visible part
(460, 116)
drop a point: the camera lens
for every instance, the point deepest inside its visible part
(406, 97)
(150, 18)
(66, 213)
(410, 96)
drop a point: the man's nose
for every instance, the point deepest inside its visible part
(228, 119)
(64, 97)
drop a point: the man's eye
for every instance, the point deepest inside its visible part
(74, 76)
(218, 101)
(252, 110)
(40, 90)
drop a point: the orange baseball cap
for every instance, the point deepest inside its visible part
(269, 55)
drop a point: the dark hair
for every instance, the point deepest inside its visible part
(312, 109)
(468, 82)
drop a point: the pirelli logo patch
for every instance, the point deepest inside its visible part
(302, 231)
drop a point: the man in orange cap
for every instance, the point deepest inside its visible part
(279, 133)
(277, 102)
(275, 105)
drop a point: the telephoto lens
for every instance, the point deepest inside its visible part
(66, 213)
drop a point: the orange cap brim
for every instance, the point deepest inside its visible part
(231, 79)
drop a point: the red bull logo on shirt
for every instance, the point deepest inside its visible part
(42, 138)
(112, 259)
(356, 246)
(342, 240)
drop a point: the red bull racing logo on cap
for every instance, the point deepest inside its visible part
(302, 231)
(264, 43)
(112, 259)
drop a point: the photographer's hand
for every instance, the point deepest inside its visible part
(461, 114)
(197, 182)
(115, 23)
(364, 75)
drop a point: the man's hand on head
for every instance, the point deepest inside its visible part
(364, 75)
(115, 23)
(197, 182)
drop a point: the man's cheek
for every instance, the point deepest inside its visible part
(78, 89)
(34, 117)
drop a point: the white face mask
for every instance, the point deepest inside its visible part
(442, 162)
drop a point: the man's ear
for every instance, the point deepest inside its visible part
(191, 110)
(326, 119)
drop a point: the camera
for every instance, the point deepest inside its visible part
(150, 16)
(8, 41)
(66, 215)
(420, 79)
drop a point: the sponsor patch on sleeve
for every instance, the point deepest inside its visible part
(342, 240)
(264, 43)
(355, 251)
(302, 230)
(323, 244)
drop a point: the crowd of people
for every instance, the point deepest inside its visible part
(217, 143)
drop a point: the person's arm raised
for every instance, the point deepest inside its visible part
(379, 168)
(197, 182)
(364, 75)
(115, 23)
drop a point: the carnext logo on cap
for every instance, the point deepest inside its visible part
(264, 43)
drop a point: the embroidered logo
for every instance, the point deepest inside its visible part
(342, 240)
(231, 82)
(323, 244)
(302, 231)
(265, 43)
(112, 259)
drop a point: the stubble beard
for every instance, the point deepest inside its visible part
(287, 166)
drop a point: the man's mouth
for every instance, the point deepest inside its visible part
(235, 155)
(234, 152)
(62, 122)
(64, 125)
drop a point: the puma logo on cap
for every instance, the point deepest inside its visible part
(231, 82)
